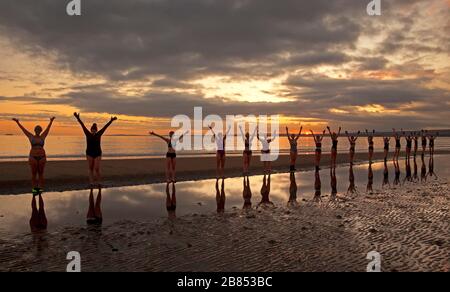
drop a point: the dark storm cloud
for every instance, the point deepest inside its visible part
(131, 39)
(177, 41)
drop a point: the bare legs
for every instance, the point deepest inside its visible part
(37, 172)
(333, 158)
(318, 158)
(94, 170)
(220, 165)
(171, 164)
(247, 160)
(293, 160)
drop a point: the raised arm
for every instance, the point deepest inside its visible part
(339, 132)
(228, 131)
(102, 131)
(159, 136)
(85, 130)
(214, 134)
(25, 131)
(182, 136)
(242, 133)
(329, 130)
(287, 134)
(45, 133)
(299, 133)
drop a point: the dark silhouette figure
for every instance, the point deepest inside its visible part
(423, 169)
(265, 192)
(293, 144)
(38, 220)
(370, 179)
(318, 140)
(351, 178)
(334, 141)
(317, 188)
(397, 173)
(370, 136)
(386, 175)
(293, 188)
(94, 215)
(352, 141)
(220, 196)
(247, 194)
(334, 191)
(171, 201)
(431, 168)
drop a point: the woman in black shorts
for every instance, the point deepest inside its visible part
(371, 143)
(318, 140)
(334, 139)
(94, 149)
(423, 135)
(171, 156)
(409, 141)
(398, 144)
(352, 141)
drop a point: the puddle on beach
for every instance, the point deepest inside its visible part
(147, 202)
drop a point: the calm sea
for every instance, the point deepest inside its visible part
(14, 148)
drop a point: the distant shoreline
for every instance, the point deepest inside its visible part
(72, 175)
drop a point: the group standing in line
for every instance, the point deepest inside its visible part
(37, 157)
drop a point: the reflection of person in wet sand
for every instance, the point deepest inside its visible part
(38, 220)
(94, 214)
(397, 173)
(334, 191)
(423, 169)
(370, 179)
(317, 187)
(415, 174)
(265, 192)
(37, 158)
(431, 168)
(293, 188)
(352, 141)
(220, 196)
(386, 175)
(408, 176)
(351, 178)
(247, 194)
(171, 201)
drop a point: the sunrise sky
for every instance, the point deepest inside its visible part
(314, 62)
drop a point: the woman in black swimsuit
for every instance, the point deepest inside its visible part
(398, 144)
(432, 139)
(386, 141)
(371, 143)
(409, 141)
(352, 141)
(318, 140)
(293, 143)
(37, 158)
(94, 149)
(171, 161)
(334, 140)
(248, 140)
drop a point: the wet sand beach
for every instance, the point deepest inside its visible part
(73, 175)
(409, 226)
